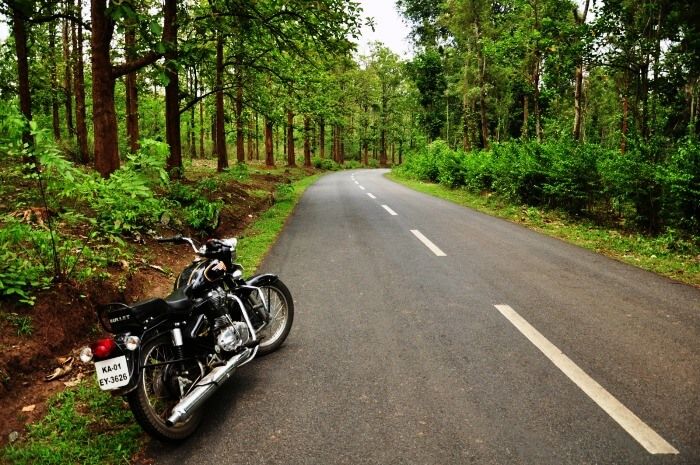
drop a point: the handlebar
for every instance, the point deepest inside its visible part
(179, 239)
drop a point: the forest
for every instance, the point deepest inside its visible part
(123, 120)
(108, 108)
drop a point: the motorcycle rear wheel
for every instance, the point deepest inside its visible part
(153, 399)
(281, 308)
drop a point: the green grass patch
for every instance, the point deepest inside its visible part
(666, 254)
(83, 425)
(259, 236)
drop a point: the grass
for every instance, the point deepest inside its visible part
(83, 425)
(666, 255)
(261, 234)
(87, 426)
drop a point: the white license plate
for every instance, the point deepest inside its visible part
(112, 373)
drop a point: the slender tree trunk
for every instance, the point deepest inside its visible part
(466, 115)
(220, 134)
(193, 137)
(580, 19)
(132, 105)
(251, 132)
(291, 159)
(172, 90)
(79, 81)
(526, 116)
(341, 146)
(54, 84)
(269, 152)
(240, 147)
(307, 142)
(201, 124)
(322, 138)
(68, 80)
(536, 103)
(625, 113)
(481, 60)
(257, 138)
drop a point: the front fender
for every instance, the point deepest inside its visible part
(262, 280)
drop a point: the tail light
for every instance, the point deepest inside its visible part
(103, 348)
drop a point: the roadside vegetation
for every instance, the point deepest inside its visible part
(580, 193)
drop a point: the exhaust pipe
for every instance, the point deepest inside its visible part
(207, 386)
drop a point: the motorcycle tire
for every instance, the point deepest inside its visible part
(281, 306)
(152, 400)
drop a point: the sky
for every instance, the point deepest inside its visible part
(389, 28)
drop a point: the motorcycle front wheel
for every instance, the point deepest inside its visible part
(156, 393)
(281, 309)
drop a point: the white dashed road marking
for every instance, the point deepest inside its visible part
(433, 248)
(391, 212)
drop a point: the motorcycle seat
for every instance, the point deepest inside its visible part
(179, 301)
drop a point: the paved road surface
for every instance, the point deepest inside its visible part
(400, 355)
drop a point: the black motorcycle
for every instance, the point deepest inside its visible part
(168, 356)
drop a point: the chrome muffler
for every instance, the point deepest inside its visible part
(206, 386)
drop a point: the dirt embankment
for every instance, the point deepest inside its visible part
(63, 319)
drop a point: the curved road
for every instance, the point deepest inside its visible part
(426, 333)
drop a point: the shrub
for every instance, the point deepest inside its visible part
(325, 164)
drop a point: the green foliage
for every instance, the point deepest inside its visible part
(83, 425)
(204, 214)
(284, 192)
(583, 179)
(325, 164)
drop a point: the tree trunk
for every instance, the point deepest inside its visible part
(307, 142)
(579, 19)
(322, 138)
(240, 150)
(68, 80)
(25, 99)
(466, 115)
(536, 103)
(54, 84)
(201, 124)
(132, 105)
(220, 134)
(192, 137)
(172, 90)
(481, 60)
(269, 153)
(103, 113)
(251, 131)
(291, 159)
(526, 115)
(257, 138)
(79, 81)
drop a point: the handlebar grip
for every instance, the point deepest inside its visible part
(175, 239)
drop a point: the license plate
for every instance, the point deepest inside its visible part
(112, 373)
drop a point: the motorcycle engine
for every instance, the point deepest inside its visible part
(230, 335)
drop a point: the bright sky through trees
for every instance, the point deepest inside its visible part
(389, 28)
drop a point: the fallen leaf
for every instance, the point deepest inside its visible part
(28, 408)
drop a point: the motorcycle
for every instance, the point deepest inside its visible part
(168, 356)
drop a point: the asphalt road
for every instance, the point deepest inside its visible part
(399, 355)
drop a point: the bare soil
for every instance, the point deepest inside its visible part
(63, 318)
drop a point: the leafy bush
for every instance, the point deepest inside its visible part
(204, 214)
(651, 190)
(325, 164)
